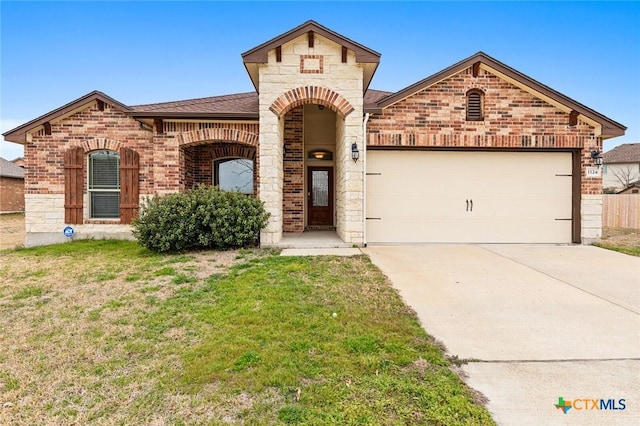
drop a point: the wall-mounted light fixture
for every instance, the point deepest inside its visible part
(320, 154)
(355, 154)
(597, 158)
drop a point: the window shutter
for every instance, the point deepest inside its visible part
(129, 185)
(73, 184)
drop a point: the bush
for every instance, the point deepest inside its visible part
(204, 217)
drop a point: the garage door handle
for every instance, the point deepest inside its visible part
(467, 205)
(471, 204)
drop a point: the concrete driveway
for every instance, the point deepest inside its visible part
(537, 323)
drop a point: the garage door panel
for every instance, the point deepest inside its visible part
(422, 197)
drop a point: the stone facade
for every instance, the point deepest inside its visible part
(336, 85)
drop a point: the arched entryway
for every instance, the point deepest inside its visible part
(312, 143)
(219, 156)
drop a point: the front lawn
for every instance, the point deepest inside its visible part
(105, 332)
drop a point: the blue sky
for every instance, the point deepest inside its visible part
(144, 52)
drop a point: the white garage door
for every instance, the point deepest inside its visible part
(468, 197)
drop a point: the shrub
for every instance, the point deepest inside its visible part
(204, 217)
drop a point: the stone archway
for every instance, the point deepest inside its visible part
(311, 95)
(217, 134)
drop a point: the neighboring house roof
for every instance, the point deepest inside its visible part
(625, 153)
(8, 169)
(632, 186)
(610, 128)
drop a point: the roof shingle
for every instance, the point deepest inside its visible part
(8, 169)
(239, 103)
(625, 153)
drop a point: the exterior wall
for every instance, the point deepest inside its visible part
(198, 161)
(278, 78)
(164, 167)
(44, 171)
(11, 194)
(44, 156)
(44, 222)
(609, 171)
(513, 119)
(293, 187)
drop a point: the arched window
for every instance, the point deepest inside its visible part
(234, 174)
(475, 105)
(104, 185)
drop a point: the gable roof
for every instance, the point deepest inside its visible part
(18, 134)
(625, 153)
(8, 169)
(259, 54)
(610, 128)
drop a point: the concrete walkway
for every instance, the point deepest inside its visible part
(537, 322)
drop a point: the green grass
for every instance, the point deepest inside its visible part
(29, 291)
(273, 328)
(626, 250)
(257, 344)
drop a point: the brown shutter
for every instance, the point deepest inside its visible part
(73, 184)
(129, 186)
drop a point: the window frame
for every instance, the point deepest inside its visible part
(216, 173)
(91, 189)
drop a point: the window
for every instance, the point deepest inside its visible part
(234, 174)
(104, 185)
(475, 105)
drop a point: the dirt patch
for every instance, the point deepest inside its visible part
(11, 230)
(621, 237)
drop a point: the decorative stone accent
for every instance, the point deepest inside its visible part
(311, 64)
(311, 95)
(218, 134)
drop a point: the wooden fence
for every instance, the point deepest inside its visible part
(621, 211)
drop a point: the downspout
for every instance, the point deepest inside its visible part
(364, 179)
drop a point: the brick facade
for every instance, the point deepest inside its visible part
(91, 129)
(179, 142)
(513, 119)
(293, 187)
(11, 194)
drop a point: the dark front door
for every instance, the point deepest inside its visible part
(320, 196)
